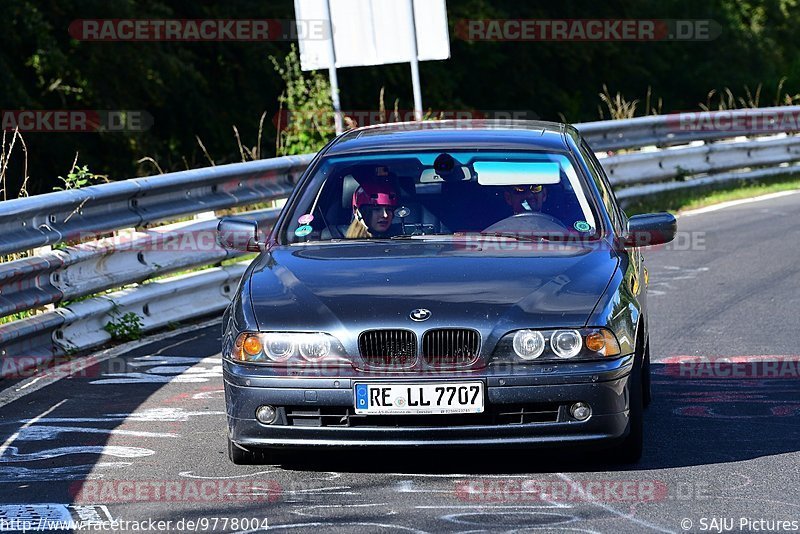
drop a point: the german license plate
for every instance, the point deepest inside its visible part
(445, 398)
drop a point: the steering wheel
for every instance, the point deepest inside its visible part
(528, 222)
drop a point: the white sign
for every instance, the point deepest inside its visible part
(374, 32)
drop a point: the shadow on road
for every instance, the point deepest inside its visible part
(100, 420)
(131, 421)
(696, 418)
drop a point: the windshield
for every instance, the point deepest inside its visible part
(518, 195)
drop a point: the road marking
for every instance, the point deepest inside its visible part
(59, 474)
(54, 513)
(36, 383)
(7, 443)
(453, 475)
(29, 384)
(751, 500)
(196, 377)
(188, 474)
(528, 519)
(165, 415)
(336, 524)
(490, 506)
(259, 491)
(305, 510)
(146, 361)
(732, 203)
(209, 395)
(35, 433)
(330, 475)
(103, 450)
(407, 486)
(333, 490)
(588, 498)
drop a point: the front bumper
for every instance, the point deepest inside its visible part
(603, 385)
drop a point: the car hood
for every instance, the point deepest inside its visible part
(351, 287)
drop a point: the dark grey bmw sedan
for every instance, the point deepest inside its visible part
(443, 284)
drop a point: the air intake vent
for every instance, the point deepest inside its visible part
(495, 414)
(388, 348)
(449, 347)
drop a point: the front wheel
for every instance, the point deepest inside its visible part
(647, 396)
(630, 450)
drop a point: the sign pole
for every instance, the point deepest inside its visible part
(415, 65)
(337, 106)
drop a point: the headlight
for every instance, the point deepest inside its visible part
(566, 343)
(528, 344)
(315, 348)
(288, 348)
(533, 346)
(278, 349)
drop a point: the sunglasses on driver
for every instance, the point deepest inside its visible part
(520, 189)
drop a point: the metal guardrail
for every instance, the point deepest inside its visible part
(682, 128)
(27, 223)
(136, 256)
(106, 263)
(713, 180)
(646, 167)
(38, 340)
(157, 304)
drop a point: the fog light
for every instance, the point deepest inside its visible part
(266, 414)
(580, 411)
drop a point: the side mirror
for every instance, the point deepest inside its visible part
(238, 234)
(650, 229)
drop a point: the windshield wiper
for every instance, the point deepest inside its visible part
(413, 236)
(517, 237)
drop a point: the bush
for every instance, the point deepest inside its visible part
(306, 106)
(124, 327)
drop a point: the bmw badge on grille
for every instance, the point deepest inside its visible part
(420, 314)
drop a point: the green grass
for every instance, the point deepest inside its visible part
(17, 316)
(688, 199)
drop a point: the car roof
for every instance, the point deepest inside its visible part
(449, 134)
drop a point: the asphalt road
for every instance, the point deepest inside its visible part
(140, 435)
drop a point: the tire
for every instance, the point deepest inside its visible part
(630, 450)
(241, 456)
(647, 396)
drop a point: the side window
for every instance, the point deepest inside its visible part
(599, 177)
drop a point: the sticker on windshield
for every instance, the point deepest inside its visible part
(305, 219)
(303, 231)
(582, 226)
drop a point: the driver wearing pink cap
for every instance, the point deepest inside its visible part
(373, 209)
